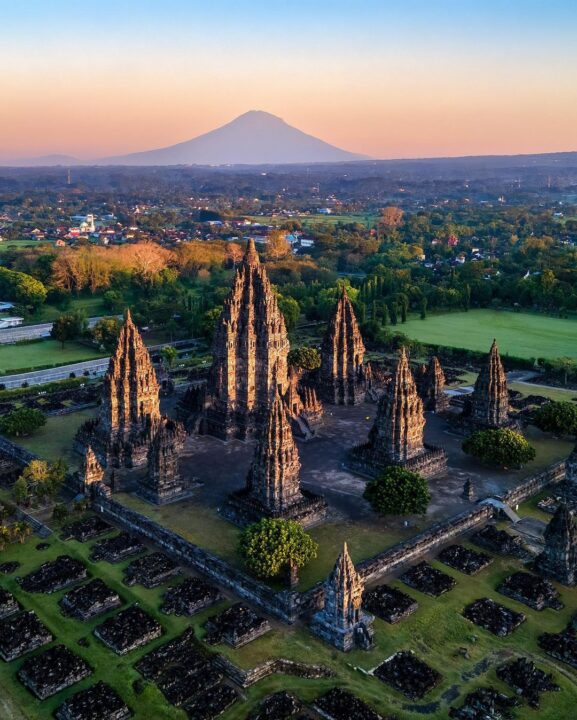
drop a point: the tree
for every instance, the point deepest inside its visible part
(305, 358)
(169, 355)
(557, 417)
(209, 321)
(277, 246)
(39, 481)
(68, 326)
(291, 311)
(503, 448)
(106, 331)
(269, 547)
(22, 422)
(398, 492)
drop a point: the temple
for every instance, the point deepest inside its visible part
(558, 560)
(90, 471)
(163, 483)
(342, 373)
(130, 408)
(431, 386)
(305, 409)
(249, 355)
(273, 483)
(489, 402)
(342, 621)
(396, 437)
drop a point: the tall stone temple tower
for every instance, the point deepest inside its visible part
(571, 470)
(249, 354)
(396, 437)
(130, 408)
(273, 486)
(163, 483)
(90, 472)
(489, 405)
(342, 621)
(342, 373)
(431, 386)
(559, 557)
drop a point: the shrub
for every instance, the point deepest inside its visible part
(502, 448)
(22, 421)
(557, 417)
(398, 492)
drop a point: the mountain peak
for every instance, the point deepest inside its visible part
(256, 137)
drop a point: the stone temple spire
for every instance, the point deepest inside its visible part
(162, 483)
(432, 386)
(249, 354)
(490, 399)
(396, 437)
(273, 486)
(130, 403)
(273, 478)
(342, 377)
(91, 471)
(342, 621)
(559, 557)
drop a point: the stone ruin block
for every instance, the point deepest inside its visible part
(236, 626)
(428, 580)
(54, 670)
(128, 630)
(497, 541)
(22, 634)
(388, 603)
(531, 590)
(151, 570)
(117, 548)
(99, 702)
(485, 704)
(86, 529)
(527, 680)
(562, 646)
(404, 672)
(90, 600)
(339, 704)
(492, 616)
(464, 559)
(190, 597)
(8, 604)
(7, 568)
(211, 703)
(181, 669)
(279, 706)
(54, 575)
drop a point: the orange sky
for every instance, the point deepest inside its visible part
(408, 87)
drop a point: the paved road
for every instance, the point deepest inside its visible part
(29, 332)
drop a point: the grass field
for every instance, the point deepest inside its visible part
(54, 440)
(519, 334)
(41, 354)
(91, 306)
(367, 219)
(436, 632)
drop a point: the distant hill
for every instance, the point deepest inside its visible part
(41, 161)
(255, 138)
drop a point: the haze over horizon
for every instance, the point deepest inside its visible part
(99, 79)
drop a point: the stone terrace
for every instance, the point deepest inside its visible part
(464, 559)
(86, 529)
(236, 626)
(340, 704)
(151, 570)
(389, 603)
(428, 580)
(128, 630)
(90, 600)
(190, 597)
(54, 575)
(531, 590)
(407, 674)
(52, 671)
(8, 604)
(117, 548)
(493, 617)
(22, 634)
(99, 702)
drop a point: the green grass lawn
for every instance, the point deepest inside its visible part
(435, 632)
(40, 354)
(519, 334)
(91, 306)
(54, 440)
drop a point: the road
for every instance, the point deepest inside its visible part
(30, 332)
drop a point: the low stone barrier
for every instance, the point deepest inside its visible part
(246, 678)
(532, 486)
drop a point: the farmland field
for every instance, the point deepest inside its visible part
(518, 334)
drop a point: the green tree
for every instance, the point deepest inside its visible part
(291, 311)
(305, 358)
(106, 331)
(169, 355)
(209, 321)
(22, 421)
(557, 417)
(398, 492)
(269, 547)
(502, 448)
(68, 326)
